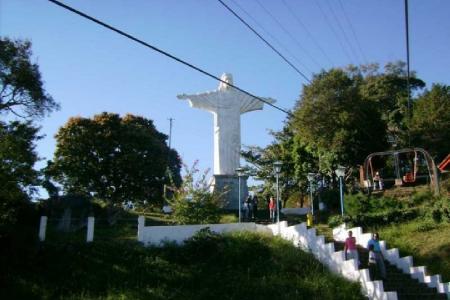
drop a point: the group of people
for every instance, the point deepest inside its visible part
(377, 269)
(250, 207)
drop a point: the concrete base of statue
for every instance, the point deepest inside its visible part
(228, 185)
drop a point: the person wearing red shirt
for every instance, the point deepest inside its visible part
(350, 249)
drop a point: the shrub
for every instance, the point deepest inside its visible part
(425, 226)
(420, 197)
(357, 204)
(335, 221)
(440, 211)
(193, 203)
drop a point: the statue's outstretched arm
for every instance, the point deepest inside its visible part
(250, 103)
(204, 101)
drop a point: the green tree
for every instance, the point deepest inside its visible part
(21, 85)
(388, 91)
(17, 176)
(117, 158)
(430, 126)
(336, 124)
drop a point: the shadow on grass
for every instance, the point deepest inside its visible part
(209, 266)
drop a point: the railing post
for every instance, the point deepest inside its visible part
(90, 230)
(42, 228)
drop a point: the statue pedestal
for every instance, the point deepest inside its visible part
(229, 186)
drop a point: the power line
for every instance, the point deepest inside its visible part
(265, 41)
(291, 11)
(353, 32)
(271, 36)
(332, 29)
(350, 45)
(163, 52)
(288, 33)
(407, 69)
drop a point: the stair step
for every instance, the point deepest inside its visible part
(405, 286)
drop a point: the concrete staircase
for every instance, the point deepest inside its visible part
(397, 281)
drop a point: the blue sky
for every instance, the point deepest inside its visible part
(89, 69)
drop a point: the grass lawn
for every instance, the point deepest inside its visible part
(236, 266)
(427, 242)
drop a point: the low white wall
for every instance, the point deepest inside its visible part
(156, 235)
(405, 264)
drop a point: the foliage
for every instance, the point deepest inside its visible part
(427, 241)
(336, 220)
(364, 210)
(21, 85)
(18, 178)
(388, 90)
(440, 210)
(431, 121)
(117, 158)
(246, 266)
(336, 124)
(193, 202)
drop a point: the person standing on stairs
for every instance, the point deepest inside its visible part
(374, 241)
(372, 263)
(350, 250)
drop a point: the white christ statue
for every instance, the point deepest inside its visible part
(226, 104)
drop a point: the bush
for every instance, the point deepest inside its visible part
(193, 203)
(335, 221)
(440, 211)
(425, 226)
(420, 197)
(357, 204)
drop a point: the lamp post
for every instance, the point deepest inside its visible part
(240, 172)
(311, 177)
(277, 169)
(340, 172)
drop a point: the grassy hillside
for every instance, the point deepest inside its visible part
(238, 266)
(427, 242)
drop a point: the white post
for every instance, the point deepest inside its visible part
(341, 190)
(90, 230)
(239, 205)
(42, 228)
(141, 224)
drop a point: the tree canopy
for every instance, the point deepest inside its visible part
(21, 86)
(430, 124)
(343, 115)
(17, 176)
(117, 158)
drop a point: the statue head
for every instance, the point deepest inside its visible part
(227, 78)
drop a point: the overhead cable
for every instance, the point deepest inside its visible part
(271, 35)
(297, 18)
(288, 33)
(265, 41)
(350, 45)
(332, 29)
(129, 36)
(353, 32)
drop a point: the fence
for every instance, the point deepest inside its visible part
(86, 229)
